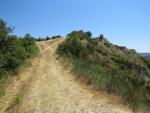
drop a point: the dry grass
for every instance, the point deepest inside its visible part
(14, 87)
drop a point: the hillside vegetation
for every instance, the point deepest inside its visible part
(14, 50)
(108, 67)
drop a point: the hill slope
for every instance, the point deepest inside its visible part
(54, 90)
(108, 67)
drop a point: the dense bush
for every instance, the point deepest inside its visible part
(108, 67)
(57, 36)
(14, 51)
(48, 38)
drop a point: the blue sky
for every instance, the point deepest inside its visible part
(123, 22)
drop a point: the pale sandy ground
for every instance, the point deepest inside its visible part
(53, 89)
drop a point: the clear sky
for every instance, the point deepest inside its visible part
(123, 22)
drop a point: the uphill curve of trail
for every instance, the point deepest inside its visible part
(54, 90)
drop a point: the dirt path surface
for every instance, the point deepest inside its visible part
(54, 90)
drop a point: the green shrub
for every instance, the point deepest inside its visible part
(14, 51)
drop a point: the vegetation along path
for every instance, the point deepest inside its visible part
(54, 90)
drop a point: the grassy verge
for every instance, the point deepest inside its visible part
(9, 102)
(15, 52)
(14, 102)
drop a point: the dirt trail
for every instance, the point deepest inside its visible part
(54, 90)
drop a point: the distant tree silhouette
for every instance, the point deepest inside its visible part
(47, 38)
(57, 36)
(88, 33)
(101, 36)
